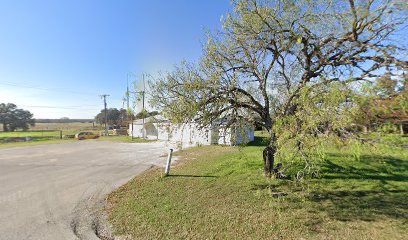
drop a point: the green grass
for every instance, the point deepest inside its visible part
(38, 134)
(391, 139)
(66, 126)
(37, 137)
(218, 192)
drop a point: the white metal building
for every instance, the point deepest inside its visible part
(190, 134)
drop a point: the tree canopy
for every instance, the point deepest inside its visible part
(115, 117)
(14, 118)
(384, 101)
(146, 114)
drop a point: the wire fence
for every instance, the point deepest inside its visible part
(41, 135)
(35, 135)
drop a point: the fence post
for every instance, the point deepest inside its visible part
(167, 170)
(60, 134)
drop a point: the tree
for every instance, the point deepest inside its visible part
(146, 114)
(384, 102)
(14, 118)
(125, 116)
(115, 117)
(277, 61)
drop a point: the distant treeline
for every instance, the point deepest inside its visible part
(63, 120)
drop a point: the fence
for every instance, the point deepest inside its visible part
(36, 135)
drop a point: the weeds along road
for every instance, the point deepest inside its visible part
(56, 191)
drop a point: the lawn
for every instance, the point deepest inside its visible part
(217, 192)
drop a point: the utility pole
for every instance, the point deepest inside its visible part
(106, 113)
(143, 105)
(128, 106)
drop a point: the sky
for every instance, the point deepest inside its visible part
(58, 57)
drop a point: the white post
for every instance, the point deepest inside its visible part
(167, 170)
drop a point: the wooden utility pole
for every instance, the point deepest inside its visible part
(130, 113)
(106, 113)
(143, 105)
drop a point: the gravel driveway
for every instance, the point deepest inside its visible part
(56, 191)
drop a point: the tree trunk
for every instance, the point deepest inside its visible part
(5, 129)
(365, 129)
(269, 158)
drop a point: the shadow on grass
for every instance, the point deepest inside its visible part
(259, 141)
(372, 167)
(365, 205)
(279, 186)
(376, 198)
(191, 176)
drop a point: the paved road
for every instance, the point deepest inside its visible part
(56, 191)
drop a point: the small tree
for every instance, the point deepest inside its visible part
(14, 118)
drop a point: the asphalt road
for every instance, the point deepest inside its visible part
(57, 191)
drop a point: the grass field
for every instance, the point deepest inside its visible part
(38, 133)
(218, 192)
(63, 126)
(35, 137)
(66, 126)
(51, 136)
(37, 141)
(46, 133)
(49, 130)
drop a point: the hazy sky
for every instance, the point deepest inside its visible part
(57, 57)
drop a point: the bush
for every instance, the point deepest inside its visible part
(388, 128)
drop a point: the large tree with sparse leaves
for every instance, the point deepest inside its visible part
(288, 66)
